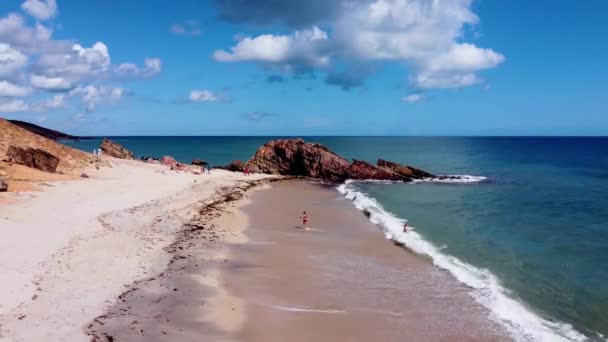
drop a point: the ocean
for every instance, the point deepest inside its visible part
(527, 231)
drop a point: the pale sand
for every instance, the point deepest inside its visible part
(67, 252)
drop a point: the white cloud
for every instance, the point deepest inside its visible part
(11, 60)
(55, 102)
(40, 9)
(8, 89)
(13, 106)
(413, 98)
(203, 96)
(425, 35)
(92, 96)
(29, 53)
(429, 80)
(151, 68)
(97, 55)
(50, 83)
(305, 47)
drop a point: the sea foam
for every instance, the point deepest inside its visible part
(521, 322)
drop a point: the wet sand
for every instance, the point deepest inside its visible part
(340, 280)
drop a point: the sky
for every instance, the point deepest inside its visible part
(316, 67)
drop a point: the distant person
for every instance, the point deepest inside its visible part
(405, 227)
(304, 218)
(208, 170)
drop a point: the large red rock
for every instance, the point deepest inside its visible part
(115, 150)
(33, 157)
(298, 158)
(404, 170)
(364, 170)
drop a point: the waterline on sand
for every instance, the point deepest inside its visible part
(521, 322)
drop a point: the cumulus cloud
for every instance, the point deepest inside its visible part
(50, 83)
(413, 98)
(12, 106)
(203, 96)
(8, 89)
(189, 28)
(295, 13)
(301, 49)
(55, 102)
(151, 68)
(40, 9)
(426, 36)
(92, 95)
(11, 60)
(33, 63)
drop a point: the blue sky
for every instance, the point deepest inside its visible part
(262, 67)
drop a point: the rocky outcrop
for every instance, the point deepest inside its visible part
(404, 170)
(33, 157)
(199, 162)
(237, 166)
(298, 158)
(45, 132)
(364, 170)
(116, 150)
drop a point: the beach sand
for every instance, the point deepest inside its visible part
(341, 280)
(274, 281)
(70, 250)
(140, 253)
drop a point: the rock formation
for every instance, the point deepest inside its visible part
(406, 171)
(299, 158)
(72, 161)
(45, 132)
(116, 150)
(199, 162)
(364, 170)
(33, 157)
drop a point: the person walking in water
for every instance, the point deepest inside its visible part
(405, 227)
(304, 218)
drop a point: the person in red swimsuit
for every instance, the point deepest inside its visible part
(304, 219)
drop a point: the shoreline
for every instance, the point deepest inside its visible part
(341, 280)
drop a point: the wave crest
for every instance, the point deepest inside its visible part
(520, 321)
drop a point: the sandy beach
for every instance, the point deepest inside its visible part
(70, 250)
(258, 276)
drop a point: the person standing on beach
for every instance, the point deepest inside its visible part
(304, 218)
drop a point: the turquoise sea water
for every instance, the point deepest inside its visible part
(531, 240)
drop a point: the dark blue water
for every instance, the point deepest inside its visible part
(539, 224)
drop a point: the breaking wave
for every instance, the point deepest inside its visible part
(521, 322)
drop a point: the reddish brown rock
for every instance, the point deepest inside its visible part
(199, 162)
(116, 150)
(33, 157)
(235, 166)
(364, 170)
(404, 170)
(298, 158)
